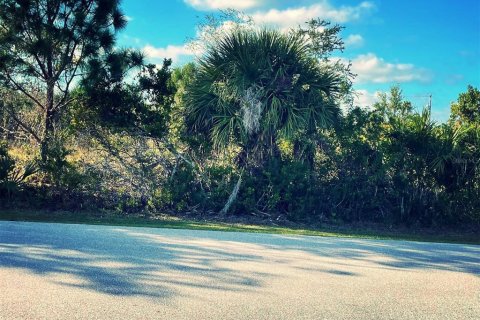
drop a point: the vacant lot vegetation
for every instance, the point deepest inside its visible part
(260, 125)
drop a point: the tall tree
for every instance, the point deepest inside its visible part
(44, 45)
(467, 108)
(393, 105)
(254, 87)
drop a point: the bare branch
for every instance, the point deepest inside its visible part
(25, 128)
(25, 92)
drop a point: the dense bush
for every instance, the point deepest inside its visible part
(6, 167)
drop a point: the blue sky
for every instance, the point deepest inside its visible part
(427, 47)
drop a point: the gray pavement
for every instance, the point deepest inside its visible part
(64, 271)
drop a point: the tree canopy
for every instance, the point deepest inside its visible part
(44, 46)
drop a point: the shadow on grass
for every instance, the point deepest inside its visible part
(162, 263)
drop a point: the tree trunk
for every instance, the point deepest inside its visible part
(233, 195)
(48, 122)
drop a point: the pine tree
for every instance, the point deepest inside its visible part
(44, 46)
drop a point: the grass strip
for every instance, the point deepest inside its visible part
(172, 222)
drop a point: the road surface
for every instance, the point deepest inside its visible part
(65, 271)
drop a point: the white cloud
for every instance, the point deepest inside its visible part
(209, 35)
(364, 98)
(223, 4)
(171, 51)
(292, 17)
(354, 40)
(372, 69)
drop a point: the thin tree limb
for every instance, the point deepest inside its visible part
(25, 92)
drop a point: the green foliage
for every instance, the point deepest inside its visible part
(6, 164)
(392, 106)
(286, 187)
(142, 106)
(45, 45)
(254, 87)
(324, 39)
(179, 192)
(398, 166)
(11, 177)
(467, 107)
(60, 172)
(254, 123)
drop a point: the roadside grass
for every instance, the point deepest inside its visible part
(172, 222)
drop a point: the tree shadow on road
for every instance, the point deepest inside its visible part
(161, 263)
(110, 262)
(396, 254)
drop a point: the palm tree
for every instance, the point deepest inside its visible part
(253, 87)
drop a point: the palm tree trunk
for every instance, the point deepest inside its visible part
(233, 195)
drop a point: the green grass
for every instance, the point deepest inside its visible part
(116, 219)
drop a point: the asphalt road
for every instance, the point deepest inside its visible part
(62, 271)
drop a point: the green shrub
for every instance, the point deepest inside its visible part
(12, 179)
(283, 186)
(7, 164)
